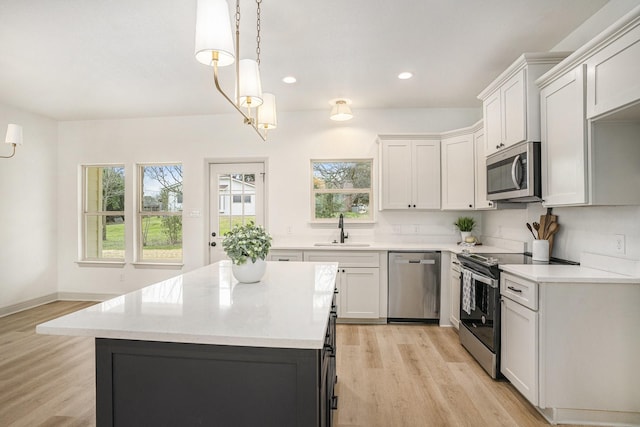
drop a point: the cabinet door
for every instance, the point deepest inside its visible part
(426, 174)
(564, 143)
(612, 78)
(519, 348)
(492, 123)
(514, 110)
(454, 316)
(458, 175)
(396, 175)
(481, 201)
(359, 293)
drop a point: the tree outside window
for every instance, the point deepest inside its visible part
(160, 213)
(341, 187)
(103, 218)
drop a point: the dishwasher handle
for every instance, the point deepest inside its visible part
(415, 261)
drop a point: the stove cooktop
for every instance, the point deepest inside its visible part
(490, 260)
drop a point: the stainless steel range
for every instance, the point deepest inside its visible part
(480, 304)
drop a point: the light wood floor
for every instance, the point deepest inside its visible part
(388, 376)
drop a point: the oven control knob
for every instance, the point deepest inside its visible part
(484, 320)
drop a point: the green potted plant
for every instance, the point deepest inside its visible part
(247, 246)
(466, 224)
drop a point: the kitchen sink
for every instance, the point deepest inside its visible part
(351, 245)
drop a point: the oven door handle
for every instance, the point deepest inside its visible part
(482, 279)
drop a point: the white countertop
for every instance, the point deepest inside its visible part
(545, 273)
(289, 308)
(385, 246)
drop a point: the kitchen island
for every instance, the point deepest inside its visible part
(203, 349)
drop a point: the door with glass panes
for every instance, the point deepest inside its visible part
(236, 197)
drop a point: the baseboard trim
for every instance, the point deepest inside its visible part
(56, 296)
(25, 305)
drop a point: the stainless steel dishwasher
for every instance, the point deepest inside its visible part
(414, 287)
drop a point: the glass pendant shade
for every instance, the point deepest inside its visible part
(250, 94)
(14, 134)
(213, 33)
(341, 112)
(267, 118)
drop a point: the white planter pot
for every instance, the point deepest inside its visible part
(249, 272)
(464, 235)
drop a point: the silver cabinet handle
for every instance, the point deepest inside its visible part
(516, 175)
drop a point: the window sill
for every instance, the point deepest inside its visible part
(348, 223)
(104, 264)
(158, 265)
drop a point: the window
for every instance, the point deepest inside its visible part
(103, 219)
(160, 213)
(341, 187)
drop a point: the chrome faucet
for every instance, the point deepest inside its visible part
(341, 227)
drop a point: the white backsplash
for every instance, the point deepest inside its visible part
(582, 229)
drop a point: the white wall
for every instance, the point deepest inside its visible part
(300, 137)
(28, 199)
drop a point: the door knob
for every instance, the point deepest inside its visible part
(213, 243)
(213, 234)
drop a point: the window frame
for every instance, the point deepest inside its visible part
(371, 191)
(84, 215)
(140, 213)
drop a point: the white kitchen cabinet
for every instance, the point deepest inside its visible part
(613, 70)
(454, 292)
(358, 282)
(519, 348)
(569, 348)
(511, 103)
(358, 293)
(410, 173)
(282, 255)
(458, 171)
(481, 201)
(592, 162)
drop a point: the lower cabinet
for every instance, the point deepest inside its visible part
(358, 282)
(454, 316)
(519, 348)
(282, 255)
(359, 291)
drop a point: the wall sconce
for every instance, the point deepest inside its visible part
(14, 137)
(340, 111)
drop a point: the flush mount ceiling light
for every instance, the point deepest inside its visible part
(340, 110)
(14, 137)
(289, 79)
(215, 47)
(405, 75)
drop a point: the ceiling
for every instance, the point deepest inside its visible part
(97, 59)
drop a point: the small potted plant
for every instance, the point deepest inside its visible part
(466, 224)
(247, 246)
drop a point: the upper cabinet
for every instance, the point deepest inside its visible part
(481, 201)
(613, 68)
(458, 169)
(511, 105)
(591, 121)
(410, 172)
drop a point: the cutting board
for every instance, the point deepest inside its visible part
(545, 222)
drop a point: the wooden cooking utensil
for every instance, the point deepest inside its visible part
(531, 230)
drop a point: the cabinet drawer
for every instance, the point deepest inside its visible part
(346, 259)
(285, 255)
(520, 290)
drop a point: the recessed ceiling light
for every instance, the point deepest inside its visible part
(405, 75)
(289, 79)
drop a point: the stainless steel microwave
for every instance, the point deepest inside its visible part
(513, 174)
